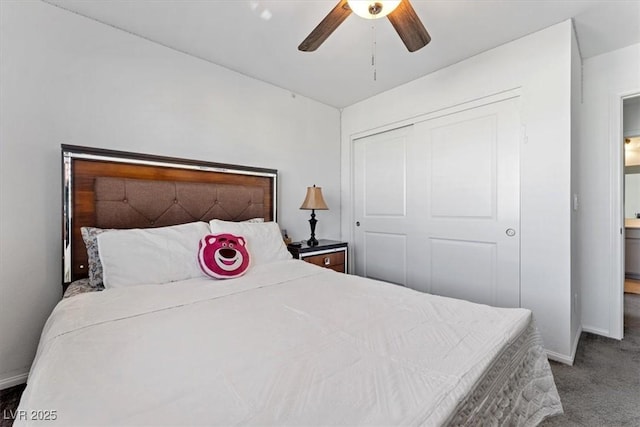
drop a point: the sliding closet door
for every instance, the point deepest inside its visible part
(444, 216)
(383, 222)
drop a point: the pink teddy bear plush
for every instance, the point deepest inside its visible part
(223, 256)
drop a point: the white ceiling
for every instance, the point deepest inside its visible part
(260, 38)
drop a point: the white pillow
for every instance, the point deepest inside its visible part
(264, 240)
(151, 255)
(254, 220)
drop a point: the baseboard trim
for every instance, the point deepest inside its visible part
(13, 381)
(562, 358)
(575, 344)
(596, 331)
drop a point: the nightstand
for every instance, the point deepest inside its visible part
(327, 253)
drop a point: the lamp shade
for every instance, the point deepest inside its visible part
(373, 9)
(314, 199)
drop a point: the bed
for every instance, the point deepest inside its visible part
(287, 343)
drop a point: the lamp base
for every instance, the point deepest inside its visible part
(312, 222)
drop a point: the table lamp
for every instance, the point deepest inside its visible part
(313, 201)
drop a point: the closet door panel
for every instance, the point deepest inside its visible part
(437, 204)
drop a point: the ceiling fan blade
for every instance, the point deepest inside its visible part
(409, 27)
(327, 26)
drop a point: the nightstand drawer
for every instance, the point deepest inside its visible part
(331, 260)
(327, 253)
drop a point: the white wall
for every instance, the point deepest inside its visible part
(631, 195)
(68, 79)
(631, 117)
(576, 99)
(539, 64)
(606, 78)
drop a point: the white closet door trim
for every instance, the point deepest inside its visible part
(451, 109)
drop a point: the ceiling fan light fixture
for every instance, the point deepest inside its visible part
(400, 14)
(370, 9)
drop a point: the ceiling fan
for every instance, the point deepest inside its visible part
(401, 14)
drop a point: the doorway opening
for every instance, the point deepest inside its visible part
(631, 211)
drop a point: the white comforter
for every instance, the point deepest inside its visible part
(288, 343)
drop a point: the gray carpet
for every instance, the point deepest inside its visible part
(602, 388)
(9, 399)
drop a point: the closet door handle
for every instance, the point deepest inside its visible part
(510, 232)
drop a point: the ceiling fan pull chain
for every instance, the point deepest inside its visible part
(373, 52)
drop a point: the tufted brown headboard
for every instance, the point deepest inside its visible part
(115, 189)
(142, 203)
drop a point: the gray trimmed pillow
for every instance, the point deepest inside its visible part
(78, 287)
(90, 237)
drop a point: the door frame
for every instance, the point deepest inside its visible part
(451, 109)
(617, 236)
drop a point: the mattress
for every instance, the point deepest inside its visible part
(289, 343)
